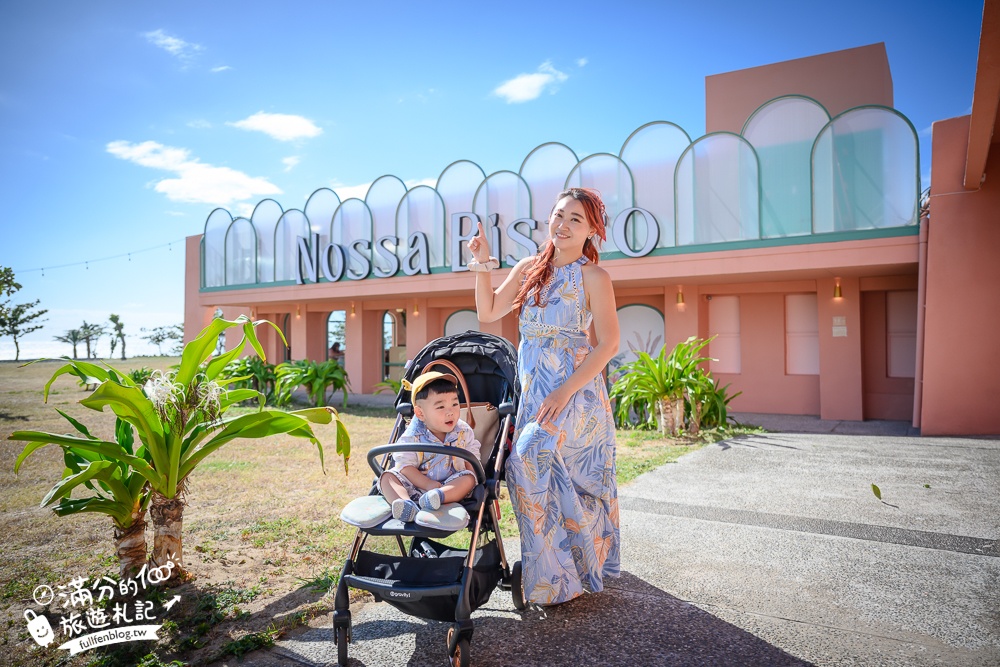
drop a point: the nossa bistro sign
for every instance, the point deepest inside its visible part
(362, 259)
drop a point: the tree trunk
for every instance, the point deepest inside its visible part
(88, 348)
(168, 517)
(130, 544)
(17, 349)
(671, 420)
(74, 351)
(695, 427)
(123, 347)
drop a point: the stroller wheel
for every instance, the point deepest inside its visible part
(461, 658)
(341, 646)
(517, 587)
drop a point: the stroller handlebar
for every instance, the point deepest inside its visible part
(377, 452)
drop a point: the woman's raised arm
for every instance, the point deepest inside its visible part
(492, 304)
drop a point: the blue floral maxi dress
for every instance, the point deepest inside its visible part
(561, 475)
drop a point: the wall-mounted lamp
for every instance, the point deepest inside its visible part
(837, 293)
(298, 312)
(352, 309)
(680, 298)
(253, 313)
(416, 311)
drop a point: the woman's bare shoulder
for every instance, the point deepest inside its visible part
(591, 270)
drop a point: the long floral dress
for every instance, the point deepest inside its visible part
(561, 475)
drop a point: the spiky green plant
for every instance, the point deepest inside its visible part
(180, 419)
(657, 385)
(318, 377)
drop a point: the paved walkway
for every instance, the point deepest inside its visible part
(763, 550)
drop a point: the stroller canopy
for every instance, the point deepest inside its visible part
(488, 362)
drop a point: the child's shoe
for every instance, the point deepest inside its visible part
(404, 510)
(431, 500)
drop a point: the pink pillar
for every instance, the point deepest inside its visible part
(298, 335)
(680, 321)
(363, 357)
(315, 335)
(840, 389)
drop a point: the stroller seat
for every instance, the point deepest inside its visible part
(430, 579)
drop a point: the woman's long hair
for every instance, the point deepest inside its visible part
(540, 270)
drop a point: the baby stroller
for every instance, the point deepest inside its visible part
(429, 579)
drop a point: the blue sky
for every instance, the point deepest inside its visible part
(123, 124)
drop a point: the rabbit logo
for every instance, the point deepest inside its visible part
(39, 628)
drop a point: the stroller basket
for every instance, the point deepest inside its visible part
(437, 567)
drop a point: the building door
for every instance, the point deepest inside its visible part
(888, 353)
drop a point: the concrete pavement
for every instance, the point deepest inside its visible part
(763, 550)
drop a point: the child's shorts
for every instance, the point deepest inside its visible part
(413, 491)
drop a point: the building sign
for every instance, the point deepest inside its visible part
(333, 261)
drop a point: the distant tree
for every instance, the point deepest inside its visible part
(72, 337)
(17, 322)
(91, 333)
(117, 334)
(7, 287)
(160, 335)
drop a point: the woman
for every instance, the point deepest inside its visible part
(561, 471)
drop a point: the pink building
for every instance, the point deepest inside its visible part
(792, 231)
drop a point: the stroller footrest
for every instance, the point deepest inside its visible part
(407, 529)
(392, 589)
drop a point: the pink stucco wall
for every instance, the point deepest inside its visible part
(961, 382)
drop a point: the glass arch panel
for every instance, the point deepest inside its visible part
(216, 226)
(265, 218)
(506, 195)
(865, 172)
(422, 210)
(241, 253)
(610, 176)
(383, 199)
(320, 207)
(457, 186)
(545, 170)
(461, 320)
(292, 225)
(353, 222)
(651, 154)
(782, 132)
(717, 191)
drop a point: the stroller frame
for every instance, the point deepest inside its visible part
(475, 584)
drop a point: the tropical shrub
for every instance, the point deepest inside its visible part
(663, 386)
(318, 377)
(390, 385)
(255, 373)
(180, 419)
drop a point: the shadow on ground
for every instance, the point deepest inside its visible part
(631, 623)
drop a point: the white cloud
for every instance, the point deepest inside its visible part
(359, 191)
(175, 46)
(196, 182)
(243, 210)
(199, 124)
(280, 126)
(581, 62)
(221, 68)
(348, 191)
(527, 87)
(290, 162)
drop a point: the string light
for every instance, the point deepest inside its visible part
(87, 262)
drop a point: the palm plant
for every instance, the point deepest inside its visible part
(707, 404)
(90, 333)
(72, 337)
(658, 385)
(316, 377)
(180, 419)
(117, 334)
